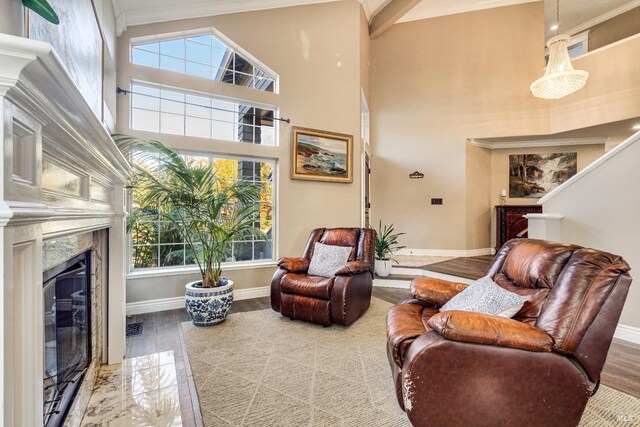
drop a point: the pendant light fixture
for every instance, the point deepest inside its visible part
(560, 79)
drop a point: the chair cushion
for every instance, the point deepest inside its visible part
(486, 297)
(310, 286)
(406, 322)
(327, 259)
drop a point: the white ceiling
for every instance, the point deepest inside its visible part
(574, 14)
(432, 8)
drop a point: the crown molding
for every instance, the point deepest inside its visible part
(604, 17)
(493, 145)
(416, 14)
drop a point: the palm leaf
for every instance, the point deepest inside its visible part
(42, 8)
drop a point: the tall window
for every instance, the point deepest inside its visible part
(203, 56)
(157, 243)
(178, 112)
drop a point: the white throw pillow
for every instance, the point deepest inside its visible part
(327, 259)
(486, 297)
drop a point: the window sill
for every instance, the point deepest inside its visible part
(177, 271)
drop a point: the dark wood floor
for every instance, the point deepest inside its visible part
(162, 331)
(470, 267)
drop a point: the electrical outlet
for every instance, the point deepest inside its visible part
(436, 201)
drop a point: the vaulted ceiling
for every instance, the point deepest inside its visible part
(574, 13)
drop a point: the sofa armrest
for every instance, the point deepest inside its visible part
(479, 328)
(435, 291)
(352, 268)
(294, 265)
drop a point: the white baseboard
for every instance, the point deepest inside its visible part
(628, 333)
(445, 252)
(151, 306)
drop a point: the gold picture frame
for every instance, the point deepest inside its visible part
(318, 155)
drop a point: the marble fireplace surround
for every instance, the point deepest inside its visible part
(62, 178)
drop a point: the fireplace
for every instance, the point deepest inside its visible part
(67, 334)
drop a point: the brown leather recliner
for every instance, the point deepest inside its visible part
(341, 299)
(459, 368)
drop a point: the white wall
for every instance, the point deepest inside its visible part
(601, 209)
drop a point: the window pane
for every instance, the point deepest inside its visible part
(243, 251)
(198, 106)
(169, 233)
(200, 128)
(151, 47)
(143, 57)
(198, 70)
(262, 250)
(172, 102)
(174, 48)
(145, 233)
(172, 124)
(223, 130)
(172, 255)
(198, 52)
(172, 64)
(145, 120)
(145, 256)
(145, 97)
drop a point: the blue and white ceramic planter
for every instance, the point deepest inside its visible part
(208, 306)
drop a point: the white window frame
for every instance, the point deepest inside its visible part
(276, 113)
(217, 34)
(227, 266)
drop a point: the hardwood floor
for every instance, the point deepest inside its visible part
(162, 331)
(470, 267)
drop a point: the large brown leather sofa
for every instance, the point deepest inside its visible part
(457, 368)
(341, 299)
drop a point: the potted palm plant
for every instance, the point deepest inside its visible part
(208, 213)
(386, 244)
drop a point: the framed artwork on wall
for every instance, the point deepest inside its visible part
(79, 43)
(319, 155)
(534, 175)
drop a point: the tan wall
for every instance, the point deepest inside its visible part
(478, 183)
(365, 54)
(434, 83)
(500, 172)
(612, 92)
(316, 52)
(614, 29)
(11, 18)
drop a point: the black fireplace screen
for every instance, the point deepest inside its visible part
(67, 334)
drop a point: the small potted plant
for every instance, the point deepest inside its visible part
(386, 244)
(208, 213)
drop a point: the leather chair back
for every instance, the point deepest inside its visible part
(574, 294)
(362, 240)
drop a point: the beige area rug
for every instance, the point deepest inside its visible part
(261, 369)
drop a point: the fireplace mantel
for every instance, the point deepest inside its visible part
(61, 174)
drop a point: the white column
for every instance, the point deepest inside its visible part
(116, 334)
(5, 215)
(545, 226)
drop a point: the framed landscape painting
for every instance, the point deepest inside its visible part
(321, 156)
(534, 175)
